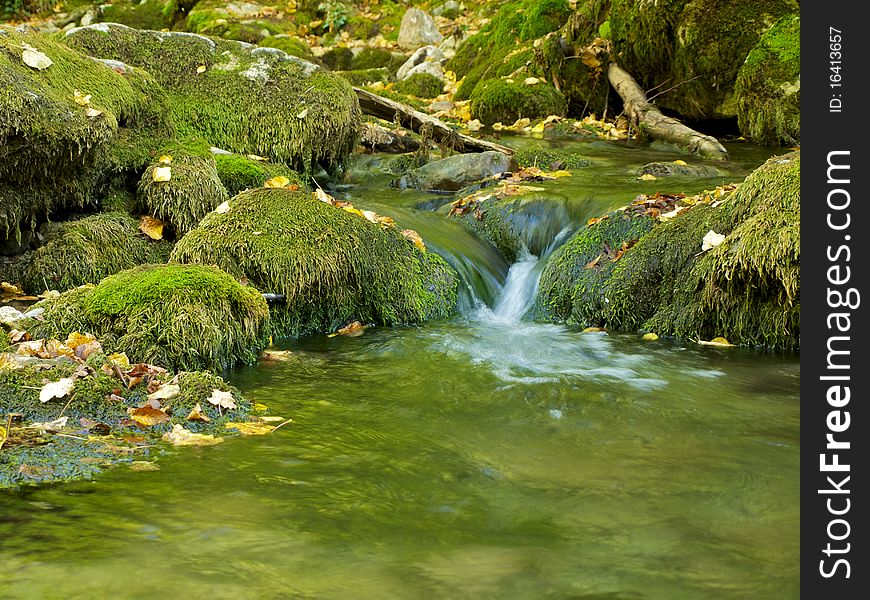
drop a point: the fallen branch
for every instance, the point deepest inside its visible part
(658, 126)
(390, 110)
(380, 139)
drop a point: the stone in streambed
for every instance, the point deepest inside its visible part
(454, 173)
(669, 169)
(418, 29)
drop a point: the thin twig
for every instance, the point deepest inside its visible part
(673, 87)
(280, 425)
(66, 435)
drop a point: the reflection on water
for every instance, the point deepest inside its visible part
(481, 457)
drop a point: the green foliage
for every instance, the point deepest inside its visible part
(248, 100)
(139, 14)
(547, 159)
(332, 266)
(335, 14)
(194, 190)
(177, 316)
(421, 85)
(239, 173)
(365, 76)
(497, 100)
(768, 86)
(86, 251)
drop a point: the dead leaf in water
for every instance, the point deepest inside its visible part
(148, 416)
(179, 436)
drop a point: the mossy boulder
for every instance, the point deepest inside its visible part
(332, 266)
(184, 317)
(248, 100)
(289, 44)
(376, 58)
(421, 85)
(140, 14)
(365, 76)
(746, 289)
(54, 153)
(699, 45)
(505, 101)
(85, 251)
(768, 86)
(242, 21)
(455, 172)
(548, 159)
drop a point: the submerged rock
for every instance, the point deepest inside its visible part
(669, 169)
(418, 29)
(332, 266)
(455, 172)
(179, 316)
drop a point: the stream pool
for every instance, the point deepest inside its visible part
(485, 456)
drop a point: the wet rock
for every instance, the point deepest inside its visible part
(455, 172)
(425, 60)
(10, 315)
(418, 29)
(670, 169)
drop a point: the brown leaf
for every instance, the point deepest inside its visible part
(151, 227)
(593, 263)
(353, 330)
(197, 415)
(148, 416)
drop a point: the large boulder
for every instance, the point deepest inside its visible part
(418, 29)
(332, 266)
(250, 100)
(184, 317)
(455, 172)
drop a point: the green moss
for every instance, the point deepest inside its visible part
(239, 173)
(52, 154)
(694, 44)
(497, 100)
(193, 191)
(248, 100)
(571, 288)
(366, 76)
(178, 316)
(291, 45)
(139, 14)
(768, 86)
(547, 159)
(421, 85)
(332, 266)
(338, 58)
(86, 251)
(376, 58)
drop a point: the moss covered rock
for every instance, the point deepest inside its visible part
(746, 289)
(768, 86)
(56, 154)
(332, 266)
(85, 251)
(242, 21)
(365, 76)
(250, 100)
(141, 14)
(503, 101)
(289, 44)
(239, 173)
(376, 58)
(421, 85)
(179, 316)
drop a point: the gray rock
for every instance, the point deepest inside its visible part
(670, 169)
(450, 5)
(425, 60)
(10, 315)
(455, 172)
(440, 105)
(34, 313)
(418, 29)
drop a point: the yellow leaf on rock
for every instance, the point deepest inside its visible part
(414, 237)
(277, 182)
(35, 59)
(323, 196)
(680, 162)
(200, 69)
(650, 337)
(223, 208)
(120, 360)
(179, 436)
(257, 158)
(76, 339)
(151, 227)
(593, 330)
(370, 215)
(162, 174)
(165, 392)
(539, 128)
(93, 112)
(81, 99)
(148, 416)
(711, 240)
(648, 177)
(720, 342)
(197, 415)
(302, 114)
(165, 159)
(474, 125)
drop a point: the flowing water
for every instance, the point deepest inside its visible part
(484, 456)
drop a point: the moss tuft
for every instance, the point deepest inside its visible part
(193, 191)
(86, 251)
(421, 85)
(332, 266)
(547, 159)
(376, 58)
(291, 45)
(239, 173)
(365, 76)
(178, 316)
(497, 100)
(768, 86)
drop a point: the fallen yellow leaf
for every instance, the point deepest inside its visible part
(179, 436)
(200, 69)
(251, 427)
(148, 416)
(162, 174)
(648, 177)
(277, 182)
(81, 99)
(414, 237)
(197, 415)
(151, 227)
(56, 389)
(650, 337)
(165, 160)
